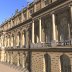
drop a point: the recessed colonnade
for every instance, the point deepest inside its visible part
(54, 27)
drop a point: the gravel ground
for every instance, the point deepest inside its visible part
(6, 68)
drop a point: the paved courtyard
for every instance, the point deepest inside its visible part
(10, 68)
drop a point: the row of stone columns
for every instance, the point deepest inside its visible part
(40, 29)
(40, 32)
(12, 41)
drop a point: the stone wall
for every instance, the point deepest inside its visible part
(38, 64)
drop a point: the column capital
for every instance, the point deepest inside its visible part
(33, 21)
(39, 18)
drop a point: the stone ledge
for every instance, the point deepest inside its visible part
(50, 49)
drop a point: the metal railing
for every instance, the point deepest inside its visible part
(52, 44)
(45, 44)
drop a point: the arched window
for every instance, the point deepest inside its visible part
(47, 63)
(65, 63)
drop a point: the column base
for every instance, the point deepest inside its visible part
(54, 43)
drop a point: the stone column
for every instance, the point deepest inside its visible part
(43, 35)
(20, 39)
(71, 23)
(5, 41)
(18, 59)
(12, 41)
(23, 63)
(54, 27)
(11, 58)
(69, 31)
(17, 40)
(27, 39)
(71, 15)
(33, 31)
(2, 40)
(8, 57)
(2, 55)
(8, 42)
(5, 57)
(40, 29)
(23, 39)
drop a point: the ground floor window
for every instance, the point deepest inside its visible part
(65, 63)
(47, 63)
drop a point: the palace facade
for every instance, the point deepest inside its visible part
(39, 37)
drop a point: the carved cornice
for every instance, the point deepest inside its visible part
(48, 7)
(26, 22)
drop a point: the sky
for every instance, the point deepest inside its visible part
(8, 8)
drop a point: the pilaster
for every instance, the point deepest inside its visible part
(11, 58)
(23, 63)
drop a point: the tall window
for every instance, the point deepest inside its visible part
(65, 64)
(47, 63)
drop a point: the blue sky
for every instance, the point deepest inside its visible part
(8, 7)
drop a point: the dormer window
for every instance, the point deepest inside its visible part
(47, 2)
